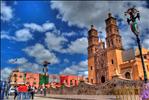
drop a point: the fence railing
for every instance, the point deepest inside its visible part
(127, 93)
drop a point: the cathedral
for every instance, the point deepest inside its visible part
(109, 59)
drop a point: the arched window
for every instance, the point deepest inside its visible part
(20, 76)
(112, 61)
(112, 43)
(92, 81)
(15, 75)
(102, 79)
(91, 67)
(108, 43)
(127, 75)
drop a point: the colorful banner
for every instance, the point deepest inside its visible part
(43, 79)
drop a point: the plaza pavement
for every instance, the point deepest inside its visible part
(90, 97)
(79, 97)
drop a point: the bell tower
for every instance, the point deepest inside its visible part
(92, 46)
(113, 38)
(114, 47)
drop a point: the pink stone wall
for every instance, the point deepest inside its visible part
(32, 79)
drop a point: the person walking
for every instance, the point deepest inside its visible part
(15, 92)
(41, 90)
(29, 91)
(32, 92)
(7, 91)
(44, 90)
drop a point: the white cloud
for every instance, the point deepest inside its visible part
(18, 60)
(24, 65)
(31, 67)
(5, 36)
(20, 35)
(79, 69)
(6, 12)
(40, 28)
(23, 35)
(86, 13)
(55, 42)
(78, 46)
(41, 54)
(5, 72)
(146, 42)
(69, 34)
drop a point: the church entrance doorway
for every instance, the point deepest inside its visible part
(102, 79)
(127, 75)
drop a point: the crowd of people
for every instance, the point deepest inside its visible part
(23, 92)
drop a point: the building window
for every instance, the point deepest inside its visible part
(102, 65)
(91, 67)
(119, 41)
(34, 83)
(20, 76)
(145, 57)
(112, 42)
(108, 43)
(15, 75)
(112, 61)
(92, 81)
(147, 67)
(66, 81)
(127, 75)
(75, 82)
(71, 82)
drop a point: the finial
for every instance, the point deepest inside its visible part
(109, 14)
(92, 26)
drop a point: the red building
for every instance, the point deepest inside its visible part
(70, 80)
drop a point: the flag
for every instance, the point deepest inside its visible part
(43, 79)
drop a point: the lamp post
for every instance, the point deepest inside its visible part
(133, 16)
(45, 72)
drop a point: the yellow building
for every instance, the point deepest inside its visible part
(104, 63)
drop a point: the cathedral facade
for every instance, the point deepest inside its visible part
(107, 61)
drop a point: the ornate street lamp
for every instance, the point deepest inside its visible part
(45, 72)
(132, 21)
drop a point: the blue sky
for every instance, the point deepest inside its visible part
(35, 31)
